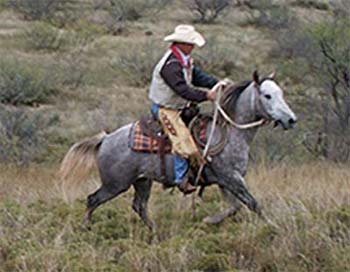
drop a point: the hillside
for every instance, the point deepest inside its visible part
(82, 66)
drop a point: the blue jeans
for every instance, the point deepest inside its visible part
(181, 165)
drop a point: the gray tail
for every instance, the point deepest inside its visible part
(80, 160)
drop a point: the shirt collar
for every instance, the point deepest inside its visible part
(186, 58)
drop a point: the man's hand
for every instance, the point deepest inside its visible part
(211, 95)
(226, 82)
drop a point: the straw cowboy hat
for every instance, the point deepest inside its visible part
(186, 34)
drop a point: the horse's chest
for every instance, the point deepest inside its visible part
(234, 158)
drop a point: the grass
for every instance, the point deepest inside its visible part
(308, 204)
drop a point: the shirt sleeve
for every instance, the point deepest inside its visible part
(201, 79)
(174, 77)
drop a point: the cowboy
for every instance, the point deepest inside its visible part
(172, 90)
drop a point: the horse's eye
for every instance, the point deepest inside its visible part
(267, 96)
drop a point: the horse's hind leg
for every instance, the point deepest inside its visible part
(235, 206)
(142, 194)
(102, 195)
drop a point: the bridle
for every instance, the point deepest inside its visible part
(218, 109)
(229, 120)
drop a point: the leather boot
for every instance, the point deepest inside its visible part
(186, 187)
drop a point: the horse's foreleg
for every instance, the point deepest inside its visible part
(235, 206)
(142, 194)
(236, 186)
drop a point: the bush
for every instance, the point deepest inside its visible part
(43, 36)
(321, 53)
(37, 9)
(317, 4)
(207, 11)
(120, 11)
(217, 58)
(341, 8)
(21, 137)
(22, 83)
(136, 62)
(72, 69)
(267, 13)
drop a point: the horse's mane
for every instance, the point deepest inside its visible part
(231, 94)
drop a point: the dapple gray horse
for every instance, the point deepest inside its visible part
(120, 167)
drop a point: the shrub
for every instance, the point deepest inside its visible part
(37, 9)
(321, 53)
(43, 36)
(136, 62)
(275, 146)
(120, 11)
(21, 137)
(22, 83)
(267, 13)
(207, 11)
(72, 70)
(341, 8)
(317, 4)
(217, 58)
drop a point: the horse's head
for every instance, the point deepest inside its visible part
(272, 105)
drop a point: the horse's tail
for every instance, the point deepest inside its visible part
(80, 159)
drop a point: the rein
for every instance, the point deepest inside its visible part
(218, 109)
(233, 123)
(230, 121)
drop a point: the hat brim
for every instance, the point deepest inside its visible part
(195, 38)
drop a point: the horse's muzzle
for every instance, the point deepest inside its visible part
(286, 125)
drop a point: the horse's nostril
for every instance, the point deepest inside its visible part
(292, 121)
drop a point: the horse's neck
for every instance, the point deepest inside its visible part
(245, 113)
(245, 109)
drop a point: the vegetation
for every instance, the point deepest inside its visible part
(38, 9)
(208, 10)
(310, 232)
(69, 69)
(21, 83)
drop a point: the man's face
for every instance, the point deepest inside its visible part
(186, 48)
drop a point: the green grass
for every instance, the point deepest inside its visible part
(307, 202)
(310, 231)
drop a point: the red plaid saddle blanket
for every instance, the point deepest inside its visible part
(139, 141)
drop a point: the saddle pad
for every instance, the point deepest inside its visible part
(138, 141)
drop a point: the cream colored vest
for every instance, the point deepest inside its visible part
(160, 93)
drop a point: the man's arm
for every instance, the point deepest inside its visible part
(201, 79)
(174, 77)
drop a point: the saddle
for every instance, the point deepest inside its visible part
(147, 135)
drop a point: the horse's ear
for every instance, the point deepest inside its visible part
(273, 75)
(256, 78)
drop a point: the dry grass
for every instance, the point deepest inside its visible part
(309, 206)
